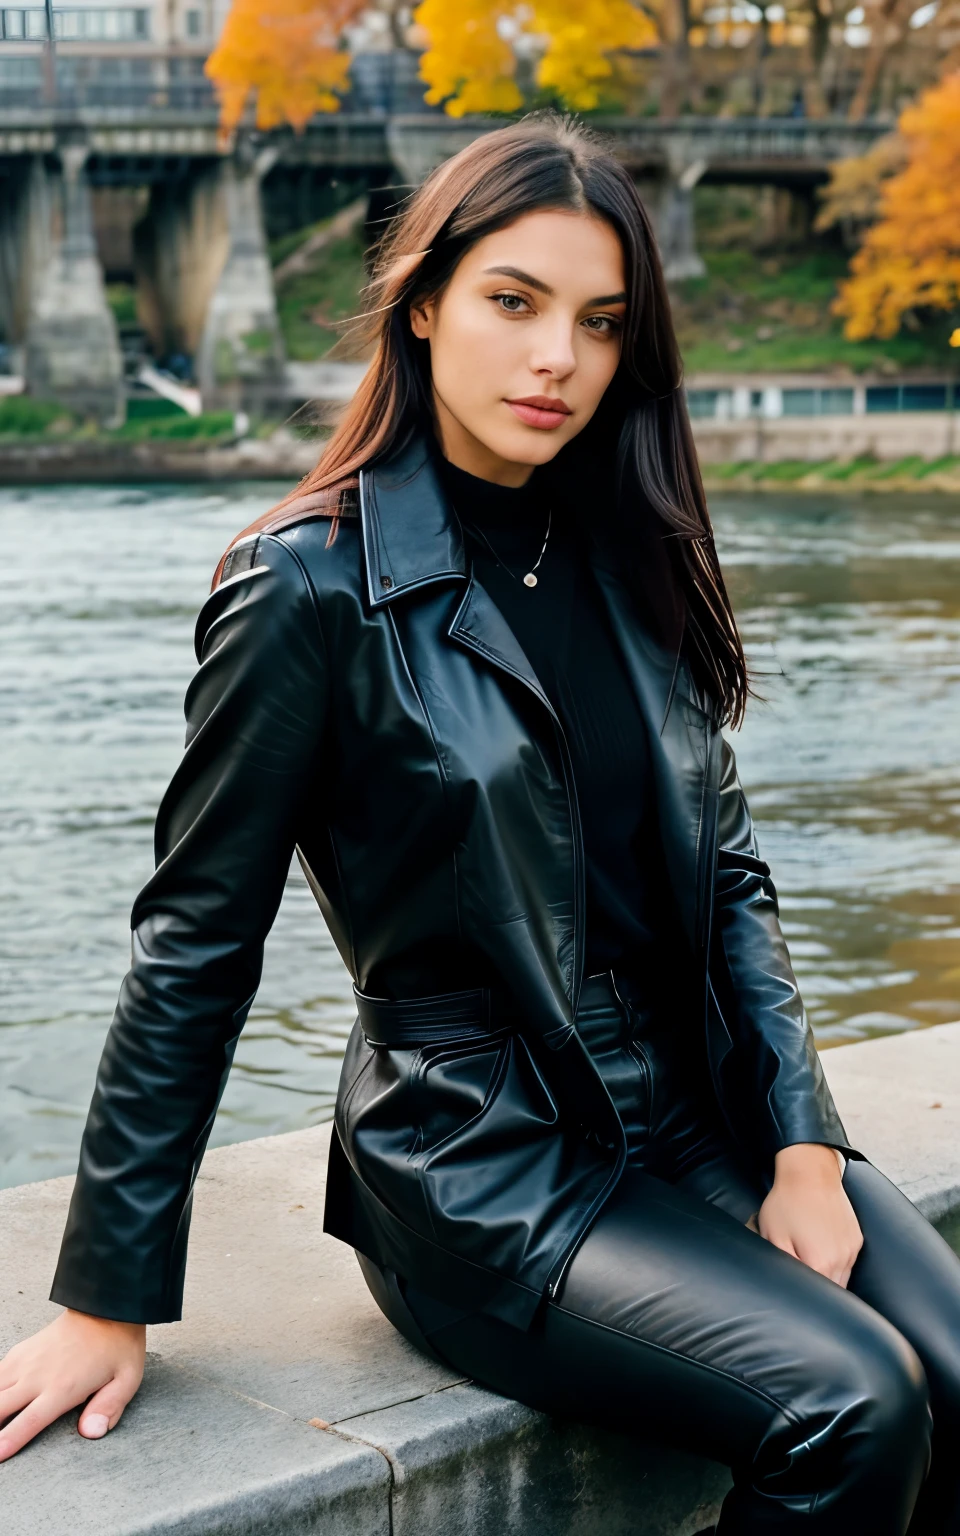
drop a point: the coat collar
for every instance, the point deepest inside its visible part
(412, 538)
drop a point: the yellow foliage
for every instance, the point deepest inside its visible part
(286, 52)
(471, 61)
(911, 257)
(853, 192)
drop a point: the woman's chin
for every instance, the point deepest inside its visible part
(529, 445)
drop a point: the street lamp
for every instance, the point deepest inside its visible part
(49, 59)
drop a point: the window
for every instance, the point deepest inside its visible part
(818, 402)
(19, 73)
(906, 397)
(883, 397)
(924, 397)
(702, 403)
(194, 22)
(799, 402)
(836, 402)
(125, 23)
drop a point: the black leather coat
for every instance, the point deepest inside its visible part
(367, 704)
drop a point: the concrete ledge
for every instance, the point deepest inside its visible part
(285, 1403)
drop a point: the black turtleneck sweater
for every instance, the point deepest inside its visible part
(563, 628)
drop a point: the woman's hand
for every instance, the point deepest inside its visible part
(61, 1366)
(807, 1212)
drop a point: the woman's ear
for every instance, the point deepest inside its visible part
(421, 319)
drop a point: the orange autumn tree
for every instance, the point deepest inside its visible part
(470, 63)
(910, 259)
(287, 54)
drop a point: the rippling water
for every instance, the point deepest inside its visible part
(851, 609)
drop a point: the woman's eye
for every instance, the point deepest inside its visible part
(511, 303)
(604, 324)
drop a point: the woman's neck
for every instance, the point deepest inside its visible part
(460, 448)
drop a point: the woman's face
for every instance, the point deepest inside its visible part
(523, 341)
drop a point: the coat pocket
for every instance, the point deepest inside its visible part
(453, 1083)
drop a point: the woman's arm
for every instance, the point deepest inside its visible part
(792, 1112)
(780, 1080)
(225, 836)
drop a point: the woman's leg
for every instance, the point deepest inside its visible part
(907, 1273)
(677, 1322)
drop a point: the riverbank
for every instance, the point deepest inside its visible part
(285, 1402)
(97, 460)
(910, 475)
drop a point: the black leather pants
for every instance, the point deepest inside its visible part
(679, 1323)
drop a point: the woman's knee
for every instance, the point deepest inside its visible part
(858, 1447)
(896, 1397)
(876, 1410)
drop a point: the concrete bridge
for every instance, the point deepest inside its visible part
(200, 257)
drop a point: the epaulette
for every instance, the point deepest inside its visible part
(333, 501)
(341, 500)
(242, 557)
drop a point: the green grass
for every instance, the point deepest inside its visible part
(785, 470)
(310, 303)
(912, 465)
(21, 416)
(122, 299)
(862, 473)
(787, 299)
(152, 408)
(147, 420)
(179, 428)
(949, 461)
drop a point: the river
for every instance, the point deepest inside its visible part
(851, 612)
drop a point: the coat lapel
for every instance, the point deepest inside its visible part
(680, 732)
(412, 538)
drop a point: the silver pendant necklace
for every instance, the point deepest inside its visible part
(530, 579)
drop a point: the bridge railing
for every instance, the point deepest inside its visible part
(383, 83)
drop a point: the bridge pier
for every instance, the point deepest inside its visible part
(180, 248)
(71, 348)
(674, 220)
(241, 359)
(26, 212)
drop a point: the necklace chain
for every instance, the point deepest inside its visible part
(529, 579)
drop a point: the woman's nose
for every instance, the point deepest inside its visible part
(555, 353)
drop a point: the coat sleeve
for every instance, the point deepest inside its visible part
(225, 834)
(780, 1087)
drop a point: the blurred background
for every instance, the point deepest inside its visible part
(190, 194)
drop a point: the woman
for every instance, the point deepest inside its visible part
(475, 673)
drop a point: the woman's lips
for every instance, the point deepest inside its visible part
(540, 412)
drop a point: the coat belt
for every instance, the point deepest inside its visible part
(407, 1023)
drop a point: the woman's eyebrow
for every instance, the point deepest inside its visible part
(522, 277)
(542, 287)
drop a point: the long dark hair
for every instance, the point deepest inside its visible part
(638, 448)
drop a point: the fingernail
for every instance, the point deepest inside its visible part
(95, 1425)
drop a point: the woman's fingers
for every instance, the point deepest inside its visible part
(60, 1367)
(105, 1407)
(13, 1398)
(36, 1415)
